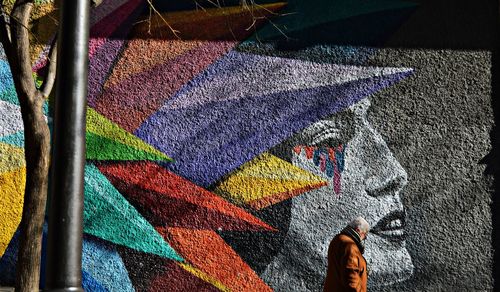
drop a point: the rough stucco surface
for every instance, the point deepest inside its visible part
(227, 161)
(438, 124)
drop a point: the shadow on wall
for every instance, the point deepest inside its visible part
(493, 165)
(460, 25)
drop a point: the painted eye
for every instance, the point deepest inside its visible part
(330, 132)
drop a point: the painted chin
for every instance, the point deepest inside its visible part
(388, 261)
(389, 264)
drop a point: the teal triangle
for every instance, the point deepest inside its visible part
(299, 14)
(9, 95)
(7, 89)
(108, 215)
(16, 139)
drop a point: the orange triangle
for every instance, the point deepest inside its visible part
(143, 54)
(221, 23)
(208, 252)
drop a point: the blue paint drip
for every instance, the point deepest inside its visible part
(316, 156)
(329, 168)
(339, 156)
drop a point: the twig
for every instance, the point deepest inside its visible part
(49, 79)
(5, 36)
(174, 31)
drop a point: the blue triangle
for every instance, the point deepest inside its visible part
(91, 284)
(9, 260)
(101, 261)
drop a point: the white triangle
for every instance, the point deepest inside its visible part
(10, 119)
(265, 75)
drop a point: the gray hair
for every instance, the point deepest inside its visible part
(360, 222)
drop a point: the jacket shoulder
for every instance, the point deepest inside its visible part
(345, 239)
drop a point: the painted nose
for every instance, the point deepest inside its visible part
(385, 175)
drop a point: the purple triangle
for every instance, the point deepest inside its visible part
(209, 140)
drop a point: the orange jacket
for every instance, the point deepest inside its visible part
(346, 266)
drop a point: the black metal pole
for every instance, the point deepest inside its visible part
(64, 251)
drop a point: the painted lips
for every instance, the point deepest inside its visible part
(391, 227)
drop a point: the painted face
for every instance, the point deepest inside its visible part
(364, 179)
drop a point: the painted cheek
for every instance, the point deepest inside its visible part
(329, 160)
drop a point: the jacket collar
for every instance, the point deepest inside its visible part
(352, 233)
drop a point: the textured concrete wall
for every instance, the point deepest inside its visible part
(227, 155)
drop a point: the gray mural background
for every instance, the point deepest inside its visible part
(438, 123)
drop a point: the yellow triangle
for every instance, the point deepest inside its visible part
(11, 204)
(100, 125)
(11, 157)
(265, 176)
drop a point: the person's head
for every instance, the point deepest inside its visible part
(363, 178)
(361, 226)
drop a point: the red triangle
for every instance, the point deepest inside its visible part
(166, 199)
(176, 279)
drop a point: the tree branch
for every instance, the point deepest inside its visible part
(50, 76)
(5, 37)
(20, 42)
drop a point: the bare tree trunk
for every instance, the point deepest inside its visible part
(14, 35)
(37, 152)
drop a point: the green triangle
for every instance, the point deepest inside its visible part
(99, 125)
(108, 215)
(101, 148)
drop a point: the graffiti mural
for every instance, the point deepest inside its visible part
(226, 146)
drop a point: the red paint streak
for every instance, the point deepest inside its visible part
(331, 154)
(336, 180)
(309, 152)
(322, 162)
